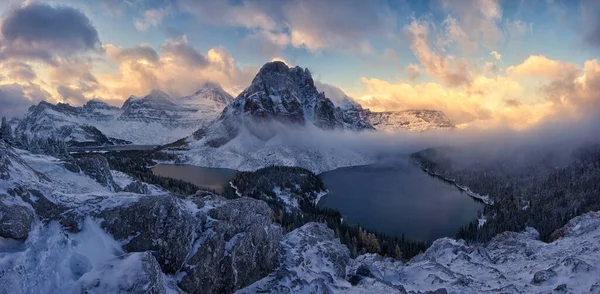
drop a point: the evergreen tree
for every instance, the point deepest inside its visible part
(5, 131)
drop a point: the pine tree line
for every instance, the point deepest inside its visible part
(538, 194)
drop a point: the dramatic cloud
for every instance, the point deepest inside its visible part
(310, 24)
(248, 14)
(71, 95)
(142, 52)
(74, 72)
(20, 71)
(315, 24)
(179, 69)
(541, 66)
(16, 99)
(476, 22)
(449, 70)
(332, 92)
(180, 49)
(528, 93)
(40, 31)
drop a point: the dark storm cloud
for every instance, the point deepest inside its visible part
(16, 99)
(41, 31)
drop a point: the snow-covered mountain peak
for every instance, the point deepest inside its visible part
(210, 85)
(209, 92)
(97, 103)
(158, 95)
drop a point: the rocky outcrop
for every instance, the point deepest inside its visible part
(130, 273)
(137, 187)
(96, 166)
(15, 219)
(160, 224)
(238, 245)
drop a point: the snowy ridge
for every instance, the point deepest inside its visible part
(314, 262)
(410, 120)
(151, 120)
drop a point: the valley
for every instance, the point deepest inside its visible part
(284, 190)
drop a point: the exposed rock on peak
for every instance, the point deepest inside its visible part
(278, 94)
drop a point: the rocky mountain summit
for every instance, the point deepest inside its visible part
(278, 94)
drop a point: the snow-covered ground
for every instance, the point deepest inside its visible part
(54, 259)
(315, 262)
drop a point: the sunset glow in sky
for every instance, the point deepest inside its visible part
(484, 63)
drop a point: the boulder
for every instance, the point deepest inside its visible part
(160, 224)
(96, 167)
(137, 187)
(238, 246)
(15, 219)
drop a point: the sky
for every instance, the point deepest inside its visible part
(485, 63)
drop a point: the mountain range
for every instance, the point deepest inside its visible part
(154, 119)
(277, 95)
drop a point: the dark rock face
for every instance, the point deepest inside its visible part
(137, 187)
(159, 224)
(137, 273)
(542, 276)
(48, 211)
(324, 116)
(15, 220)
(283, 95)
(238, 246)
(97, 168)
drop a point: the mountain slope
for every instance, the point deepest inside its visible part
(274, 122)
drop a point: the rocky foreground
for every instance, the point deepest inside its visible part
(72, 227)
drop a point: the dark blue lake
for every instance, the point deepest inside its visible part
(395, 198)
(399, 198)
